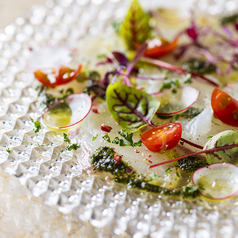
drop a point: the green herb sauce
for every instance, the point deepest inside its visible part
(199, 66)
(103, 160)
(191, 112)
(229, 19)
(191, 164)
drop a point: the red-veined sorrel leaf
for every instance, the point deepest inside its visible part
(135, 27)
(130, 107)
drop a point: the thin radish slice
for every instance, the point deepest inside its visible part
(67, 112)
(49, 57)
(174, 103)
(217, 181)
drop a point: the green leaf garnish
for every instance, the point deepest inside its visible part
(74, 146)
(107, 138)
(70, 147)
(131, 108)
(135, 26)
(9, 151)
(127, 141)
(168, 170)
(37, 125)
(66, 138)
(191, 189)
(153, 176)
(175, 118)
(170, 84)
(95, 137)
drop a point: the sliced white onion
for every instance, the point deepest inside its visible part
(183, 99)
(67, 112)
(49, 57)
(217, 181)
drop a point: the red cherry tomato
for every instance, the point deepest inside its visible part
(165, 136)
(225, 108)
(63, 76)
(159, 47)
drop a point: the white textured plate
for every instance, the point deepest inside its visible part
(60, 180)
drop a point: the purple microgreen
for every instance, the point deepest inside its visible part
(211, 59)
(227, 30)
(106, 61)
(139, 53)
(121, 58)
(180, 51)
(178, 70)
(118, 72)
(192, 33)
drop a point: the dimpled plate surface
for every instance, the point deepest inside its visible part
(59, 198)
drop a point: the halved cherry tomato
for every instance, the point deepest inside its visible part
(159, 47)
(225, 108)
(63, 76)
(165, 136)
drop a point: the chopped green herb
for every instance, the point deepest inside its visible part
(66, 138)
(69, 147)
(188, 79)
(174, 91)
(127, 141)
(177, 174)
(107, 138)
(215, 123)
(58, 154)
(95, 137)
(40, 89)
(170, 84)
(37, 125)
(68, 92)
(74, 146)
(175, 118)
(53, 164)
(191, 189)
(116, 26)
(9, 151)
(181, 143)
(101, 56)
(153, 176)
(168, 170)
(209, 137)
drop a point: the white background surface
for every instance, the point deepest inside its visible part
(12, 9)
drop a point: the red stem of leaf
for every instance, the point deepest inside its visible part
(140, 52)
(191, 143)
(208, 151)
(177, 69)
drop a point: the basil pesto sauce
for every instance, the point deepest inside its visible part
(103, 160)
